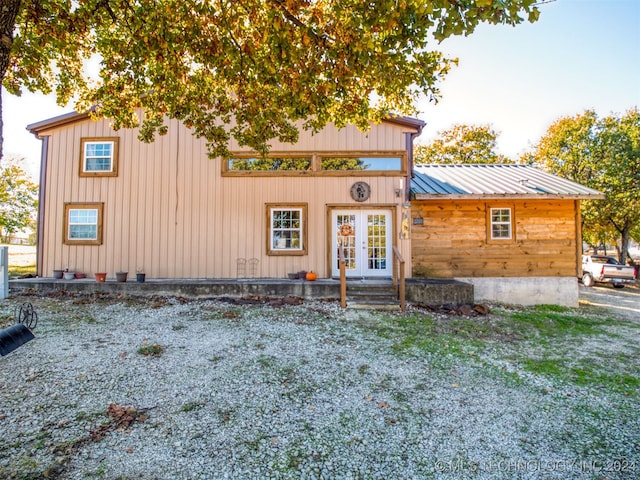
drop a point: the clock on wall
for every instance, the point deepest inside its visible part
(360, 191)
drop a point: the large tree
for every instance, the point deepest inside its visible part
(462, 144)
(602, 153)
(18, 198)
(258, 65)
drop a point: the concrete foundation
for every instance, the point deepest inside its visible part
(526, 290)
(424, 291)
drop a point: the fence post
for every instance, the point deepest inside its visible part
(4, 272)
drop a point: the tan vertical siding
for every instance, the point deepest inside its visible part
(452, 242)
(170, 212)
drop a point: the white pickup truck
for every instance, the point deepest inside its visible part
(604, 269)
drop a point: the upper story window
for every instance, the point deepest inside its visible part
(99, 157)
(361, 163)
(83, 223)
(317, 164)
(500, 223)
(269, 164)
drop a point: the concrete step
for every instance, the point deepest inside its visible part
(374, 296)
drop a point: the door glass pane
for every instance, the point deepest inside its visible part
(346, 231)
(376, 242)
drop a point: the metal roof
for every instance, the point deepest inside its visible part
(491, 181)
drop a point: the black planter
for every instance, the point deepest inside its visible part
(140, 277)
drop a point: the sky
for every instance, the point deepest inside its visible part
(580, 54)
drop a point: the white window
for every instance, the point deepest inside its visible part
(99, 157)
(83, 224)
(501, 225)
(287, 229)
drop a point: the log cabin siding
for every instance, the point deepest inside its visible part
(171, 213)
(452, 240)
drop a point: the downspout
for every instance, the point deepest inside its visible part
(409, 138)
(41, 196)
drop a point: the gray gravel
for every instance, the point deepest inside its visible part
(293, 392)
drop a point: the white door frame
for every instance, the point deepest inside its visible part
(367, 241)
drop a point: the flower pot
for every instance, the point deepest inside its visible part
(121, 276)
(80, 275)
(69, 275)
(302, 274)
(100, 277)
(140, 277)
(57, 274)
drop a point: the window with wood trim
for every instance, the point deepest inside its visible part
(287, 233)
(500, 223)
(99, 157)
(83, 223)
(317, 164)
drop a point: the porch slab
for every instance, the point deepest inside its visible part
(430, 292)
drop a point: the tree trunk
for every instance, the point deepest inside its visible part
(8, 13)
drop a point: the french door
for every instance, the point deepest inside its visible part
(365, 236)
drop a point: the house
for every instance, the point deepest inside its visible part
(512, 231)
(112, 203)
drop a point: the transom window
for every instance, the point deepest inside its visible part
(501, 224)
(287, 229)
(270, 164)
(83, 223)
(361, 163)
(99, 157)
(316, 163)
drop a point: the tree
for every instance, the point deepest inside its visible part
(18, 198)
(461, 144)
(259, 66)
(604, 154)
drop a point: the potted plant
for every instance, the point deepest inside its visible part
(101, 277)
(69, 275)
(121, 276)
(140, 275)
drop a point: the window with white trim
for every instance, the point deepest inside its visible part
(287, 229)
(83, 224)
(501, 224)
(99, 157)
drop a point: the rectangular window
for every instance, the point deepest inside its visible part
(269, 164)
(83, 223)
(99, 157)
(343, 163)
(500, 223)
(287, 229)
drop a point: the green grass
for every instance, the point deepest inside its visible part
(16, 271)
(547, 340)
(151, 350)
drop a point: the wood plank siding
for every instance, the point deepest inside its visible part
(172, 213)
(453, 239)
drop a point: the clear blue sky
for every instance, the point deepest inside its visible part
(581, 54)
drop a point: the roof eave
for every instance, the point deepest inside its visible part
(60, 120)
(466, 196)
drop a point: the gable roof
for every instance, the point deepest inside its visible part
(493, 181)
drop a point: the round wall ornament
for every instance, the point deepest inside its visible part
(360, 191)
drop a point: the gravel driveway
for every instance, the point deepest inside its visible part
(624, 302)
(157, 389)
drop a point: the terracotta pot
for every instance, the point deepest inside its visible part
(80, 275)
(121, 276)
(100, 277)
